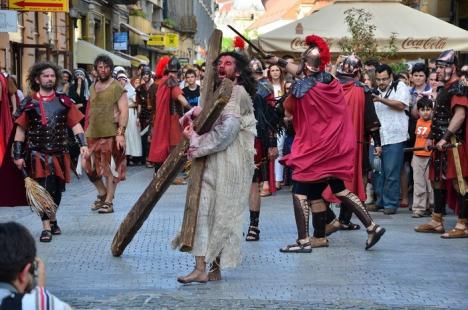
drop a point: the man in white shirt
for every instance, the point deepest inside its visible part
(390, 105)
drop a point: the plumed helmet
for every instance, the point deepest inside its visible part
(173, 65)
(161, 66)
(447, 58)
(350, 65)
(317, 55)
(256, 66)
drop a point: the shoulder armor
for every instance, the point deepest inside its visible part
(458, 89)
(264, 88)
(302, 86)
(26, 104)
(65, 100)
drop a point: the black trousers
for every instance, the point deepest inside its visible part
(54, 186)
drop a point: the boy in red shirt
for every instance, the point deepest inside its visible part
(423, 196)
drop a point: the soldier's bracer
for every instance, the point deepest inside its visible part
(282, 63)
(18, 150)
(80, 138)
(447, 135)
(375, 134)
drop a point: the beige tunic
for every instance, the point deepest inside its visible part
(226, 183)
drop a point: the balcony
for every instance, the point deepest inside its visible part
(188, 24)
(141, 24)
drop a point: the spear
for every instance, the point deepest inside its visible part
(253, 46)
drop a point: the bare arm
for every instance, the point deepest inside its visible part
(290, 67)
(20, 134)
(123, 109)
(457, 119)
(184, 102)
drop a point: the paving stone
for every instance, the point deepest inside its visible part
(405, 270)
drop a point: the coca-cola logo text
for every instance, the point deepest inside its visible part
(299, 43)
(433, 43)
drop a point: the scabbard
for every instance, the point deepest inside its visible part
(458, 168)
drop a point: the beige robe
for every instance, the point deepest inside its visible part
(229, 147)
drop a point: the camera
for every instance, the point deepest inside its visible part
(375, 91)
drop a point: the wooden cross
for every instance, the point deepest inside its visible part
(213, 104)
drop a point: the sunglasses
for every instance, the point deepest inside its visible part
(122, 78)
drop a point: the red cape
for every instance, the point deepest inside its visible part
(324, 145)
(355, 98)
(166, 128)
(6, 122)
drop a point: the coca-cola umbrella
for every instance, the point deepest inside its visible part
(416, 33)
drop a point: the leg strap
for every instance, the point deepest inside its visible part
(301, 213)
(352, 202)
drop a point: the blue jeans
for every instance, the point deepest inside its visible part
(387, 183)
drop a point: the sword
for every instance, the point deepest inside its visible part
(458, 168)
(254, 47)
(431, 147)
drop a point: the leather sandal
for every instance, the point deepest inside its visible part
(253, 234)
(46, 236)
(432, 228)
(54, 228)
(457, 232)
(331, 228)
(97, 204)
(349, 226)
(297, 247)
(374, 236)
(318, 242)
(107, 207)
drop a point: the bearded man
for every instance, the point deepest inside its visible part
(229, 151)
(321, 155)
(41, 139)
(106, 120)
(449, 165)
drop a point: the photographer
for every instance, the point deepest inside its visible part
(22, 274)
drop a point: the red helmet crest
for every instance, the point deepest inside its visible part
(320, 43)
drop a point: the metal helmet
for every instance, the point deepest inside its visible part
(173, 65)
(350, 66)
(146, 70)
(256, 66)
(447, 58)
(316, 56)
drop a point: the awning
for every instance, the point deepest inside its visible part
(143, 36)
(85, 53)
(416, 32)
(135, 60)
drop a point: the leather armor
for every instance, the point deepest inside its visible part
(302, 86)
(443, 112)
(51, 138)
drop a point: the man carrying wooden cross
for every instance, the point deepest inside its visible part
(229, 147)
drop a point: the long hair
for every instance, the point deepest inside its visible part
(36, 71)
(281, 78)
(245, 77)
(105, 59)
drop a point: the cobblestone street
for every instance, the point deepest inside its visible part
(405, 270)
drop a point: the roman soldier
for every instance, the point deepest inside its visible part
(450, 158)
(265, 144)
(323, 154)
(41, 141)
(366, 124)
